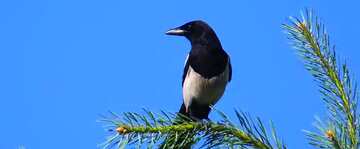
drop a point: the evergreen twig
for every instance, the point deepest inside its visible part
(309, 36)
(150, 128)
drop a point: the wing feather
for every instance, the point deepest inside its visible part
(186, 68)
(230, 70)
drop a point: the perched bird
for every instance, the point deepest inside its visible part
(207, 69)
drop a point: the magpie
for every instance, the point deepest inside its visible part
(207, 69)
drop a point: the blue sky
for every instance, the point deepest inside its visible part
(63, 63)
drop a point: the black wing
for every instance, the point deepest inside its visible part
(230, 70)
(186, 68)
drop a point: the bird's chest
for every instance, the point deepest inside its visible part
(204, 90)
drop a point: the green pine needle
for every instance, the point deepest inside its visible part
(309, 36)
(151, 129)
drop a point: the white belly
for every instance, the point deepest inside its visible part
(204, 91)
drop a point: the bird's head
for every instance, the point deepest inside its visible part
(198, 32)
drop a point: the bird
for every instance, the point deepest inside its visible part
(207, 69)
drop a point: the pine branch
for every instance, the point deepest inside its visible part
(309, 36)
(150, 129)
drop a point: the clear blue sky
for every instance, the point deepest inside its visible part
(63, 63)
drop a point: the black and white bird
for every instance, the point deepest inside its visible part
(207, 69)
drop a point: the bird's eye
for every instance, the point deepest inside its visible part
(189, 26)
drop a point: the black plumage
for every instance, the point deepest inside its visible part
(207, 69)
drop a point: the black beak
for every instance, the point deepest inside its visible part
(176, 31)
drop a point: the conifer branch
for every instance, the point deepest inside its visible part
(150, 129)
(309, 36)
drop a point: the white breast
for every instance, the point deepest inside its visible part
(204, 91)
